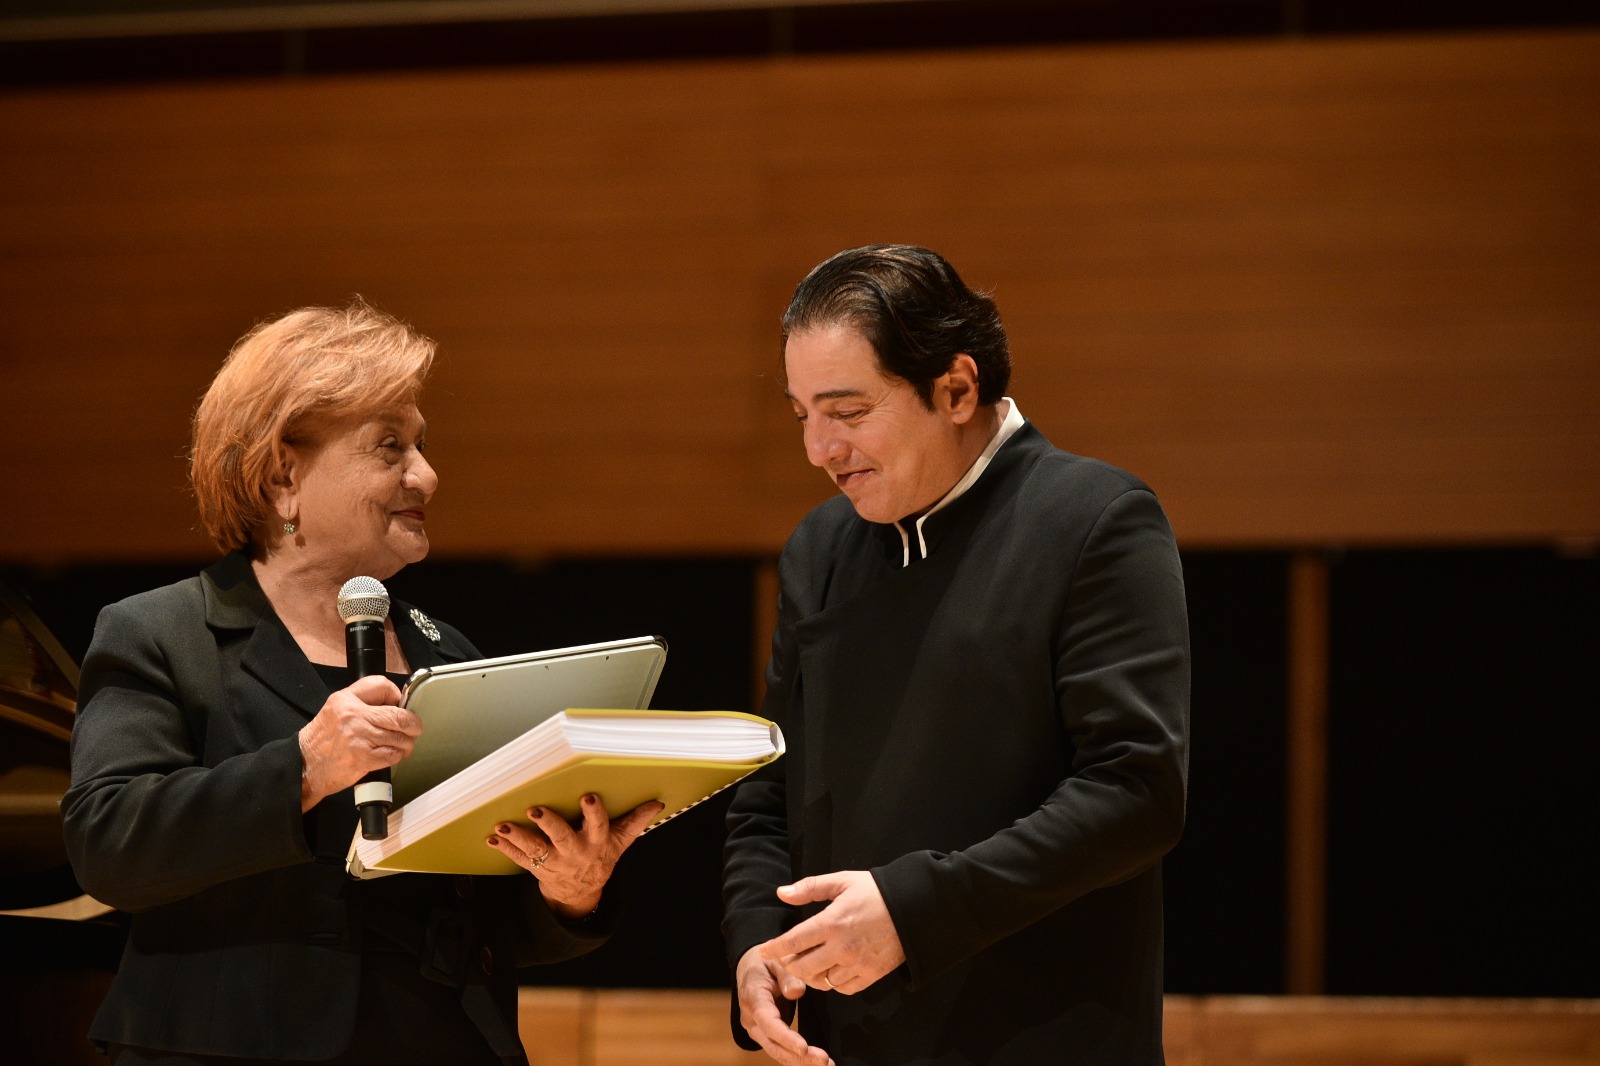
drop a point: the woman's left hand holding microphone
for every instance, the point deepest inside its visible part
(359, 729)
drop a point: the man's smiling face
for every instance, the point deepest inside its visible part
(891, 454)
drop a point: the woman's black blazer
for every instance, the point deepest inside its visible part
(184, 810)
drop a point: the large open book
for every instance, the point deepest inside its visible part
(498, 737)
(626, 757)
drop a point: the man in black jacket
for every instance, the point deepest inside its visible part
(981, 667)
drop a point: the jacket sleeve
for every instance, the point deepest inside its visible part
(146, 821)
(756, 855)
(1121, 683)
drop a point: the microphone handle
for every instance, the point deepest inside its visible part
(364, 652)
(363, 648)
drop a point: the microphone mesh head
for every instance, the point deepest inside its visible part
(363, 599)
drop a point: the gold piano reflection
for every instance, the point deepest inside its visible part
(61, 945)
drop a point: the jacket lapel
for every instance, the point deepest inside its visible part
(235, 602)
(274, 659)
(430, 647)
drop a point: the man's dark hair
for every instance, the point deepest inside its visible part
(915, 311)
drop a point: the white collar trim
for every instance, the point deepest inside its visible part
(1012, 422)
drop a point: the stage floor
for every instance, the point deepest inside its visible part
(584, 1027)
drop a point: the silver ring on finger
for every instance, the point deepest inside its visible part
(536, 862)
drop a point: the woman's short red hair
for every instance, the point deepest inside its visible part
(282, 382)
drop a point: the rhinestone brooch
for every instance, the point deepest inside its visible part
(425, 625)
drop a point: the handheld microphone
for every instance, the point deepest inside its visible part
(364, 604)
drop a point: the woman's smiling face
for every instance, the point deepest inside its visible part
(361, 493)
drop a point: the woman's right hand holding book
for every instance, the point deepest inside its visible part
(573, 863)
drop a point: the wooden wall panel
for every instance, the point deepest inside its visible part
(575, 244)
(1313, 291)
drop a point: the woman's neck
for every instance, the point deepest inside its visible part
(306, 599)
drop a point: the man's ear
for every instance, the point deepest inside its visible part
(956, 391)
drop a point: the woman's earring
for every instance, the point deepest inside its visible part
(289, 528)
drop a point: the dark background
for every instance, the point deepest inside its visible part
(1464, 808)
(756, 30)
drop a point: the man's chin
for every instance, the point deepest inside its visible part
(870, 510)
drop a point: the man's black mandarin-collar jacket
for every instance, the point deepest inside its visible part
(999, 733)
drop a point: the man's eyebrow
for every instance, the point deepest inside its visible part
(831, 394)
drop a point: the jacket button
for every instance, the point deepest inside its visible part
(463, 886)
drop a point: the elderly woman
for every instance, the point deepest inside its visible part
(219, 734)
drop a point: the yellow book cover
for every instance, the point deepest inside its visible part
(626, 757)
